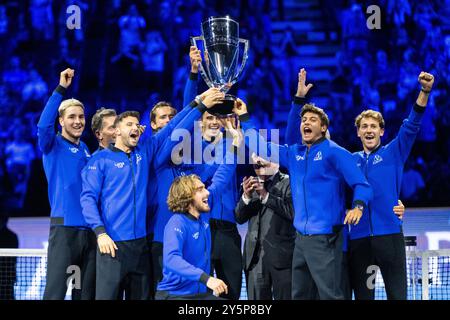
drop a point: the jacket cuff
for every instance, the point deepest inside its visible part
(99, 230)
(193, 76)
(418, 108)
(201, 107)
(204, 278)
(300, 101)
(359, 203)
(244, 117)
(61, 90)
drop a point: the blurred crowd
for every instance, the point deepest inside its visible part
(378, 70)
(131, 54)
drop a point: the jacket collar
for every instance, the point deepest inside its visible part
(68, 141)
(373, 151)
(191, 217)
(114, 149)
(318, 141)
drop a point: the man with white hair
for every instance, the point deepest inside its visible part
(71, 242)
(266, 203)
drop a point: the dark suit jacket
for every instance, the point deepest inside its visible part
(270, 224)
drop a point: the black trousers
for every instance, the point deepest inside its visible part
(164, 295)
(157, 263)
(265, 282)
(317, 267)
(388, 253)
(346, 287)
(70, 246)
(128, 272)
(226, 256)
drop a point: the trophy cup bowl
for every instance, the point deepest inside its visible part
(220, 67)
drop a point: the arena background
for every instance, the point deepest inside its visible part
(131, 54)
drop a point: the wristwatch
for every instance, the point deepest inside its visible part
(360, 207)
(198, 99)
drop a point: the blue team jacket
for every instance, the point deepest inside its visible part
(118, 182)
(383, 169)
(190, 91)
(63, 162)
(187, 244)
(317, 177)
(224, 210)
(186, 255)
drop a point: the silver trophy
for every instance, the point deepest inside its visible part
(220, 67)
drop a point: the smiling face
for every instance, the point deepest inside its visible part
(210, 126)
(127, 132)
(72, 122)
(162, 117)
(370, 133)
(311, 128)
(199, 202)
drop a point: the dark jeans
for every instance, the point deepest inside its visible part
(69, 246)
(388, 253)
(317, 267)
(226, 256)
(128, 272)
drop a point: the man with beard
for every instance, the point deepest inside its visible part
(187, 240)
(71, 242)
(116, 180)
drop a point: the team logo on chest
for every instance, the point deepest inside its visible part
(73, 150)
(318, 156)
(377, 159)
(138, 158)
(119, 165)
(195, 235)
(298, 158)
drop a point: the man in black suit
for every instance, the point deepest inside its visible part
(266, 202)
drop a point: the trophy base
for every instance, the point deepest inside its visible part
(225, 108)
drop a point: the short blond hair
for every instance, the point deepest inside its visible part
(181, 193)
(67, 104)
(370, 114)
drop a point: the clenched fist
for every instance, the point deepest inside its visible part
(426, 80)
(65, 77)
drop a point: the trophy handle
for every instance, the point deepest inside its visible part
(200, 65)
(244, 58)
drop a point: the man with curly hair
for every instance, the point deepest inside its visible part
(187, 236)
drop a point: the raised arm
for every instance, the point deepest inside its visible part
(162, 144)
(411, 126)
(46, 124)
(293, 124)
(251, 134)
(191, 87)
